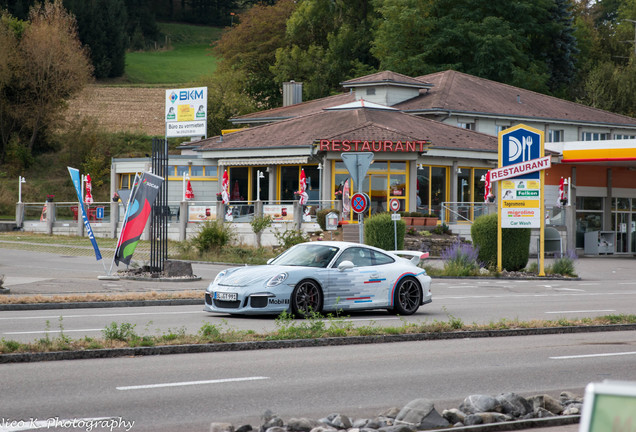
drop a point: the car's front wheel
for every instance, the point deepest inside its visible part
(408, 297)
(306, 298)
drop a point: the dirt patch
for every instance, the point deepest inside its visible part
(122, 109)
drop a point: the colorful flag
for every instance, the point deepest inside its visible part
(226, 188)
(302, 191)
(88, 199)
(189, 193)
(142, 195)
(75, 177)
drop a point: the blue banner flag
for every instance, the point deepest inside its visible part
(75, 177)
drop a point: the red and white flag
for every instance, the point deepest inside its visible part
(561, 191)
(302, 191)
(487, 186)
(88, 199)
(189, 193)
(225, 192)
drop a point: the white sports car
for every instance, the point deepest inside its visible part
(323, 276)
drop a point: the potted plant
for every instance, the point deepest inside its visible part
(219, 196)
(50, 198)
(431, 219)
(406, 217)
(418, 219)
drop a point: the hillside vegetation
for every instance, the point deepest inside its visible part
(112, 118)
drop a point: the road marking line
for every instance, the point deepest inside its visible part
(569, 289)
(51, 331)
(582, 311)
(190, 383)
(593, 355)
(102, 315)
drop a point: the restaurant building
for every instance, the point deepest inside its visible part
(433, 138)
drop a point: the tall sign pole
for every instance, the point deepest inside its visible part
(521, 173)
(358, 165)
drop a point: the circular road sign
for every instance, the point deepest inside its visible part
(360, 202)
(395, 204)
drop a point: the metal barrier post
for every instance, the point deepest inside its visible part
(183, 220)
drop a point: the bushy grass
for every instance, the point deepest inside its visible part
(461, 260)
(314, 327)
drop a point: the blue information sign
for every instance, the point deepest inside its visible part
(520, 144)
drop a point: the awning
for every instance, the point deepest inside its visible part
(296, 160)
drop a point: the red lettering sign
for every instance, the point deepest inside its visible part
(372, 145)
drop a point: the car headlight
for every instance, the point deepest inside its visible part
(219, 276)
(277, 280)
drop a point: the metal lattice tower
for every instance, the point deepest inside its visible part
(160, 209)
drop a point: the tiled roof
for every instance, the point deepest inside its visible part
(353, 124)
(386, 77)
(456, 91)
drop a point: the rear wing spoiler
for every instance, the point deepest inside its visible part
(414, 255)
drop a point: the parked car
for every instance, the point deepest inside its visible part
(324, 276)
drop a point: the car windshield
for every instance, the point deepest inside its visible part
(307, 255)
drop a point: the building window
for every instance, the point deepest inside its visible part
(624, 136)
(594, 136)
(431, 189)
(384, 181)
(499, 128)
(469, 126)
(371, 91)
(589, 217)
(555, 135)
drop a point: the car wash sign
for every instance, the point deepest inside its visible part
(186, 112)
(521, 160)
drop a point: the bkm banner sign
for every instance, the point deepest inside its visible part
(186, 112)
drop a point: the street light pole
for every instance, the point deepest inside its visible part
(259, 176)
(20, 181)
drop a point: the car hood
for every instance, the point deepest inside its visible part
(250, 275)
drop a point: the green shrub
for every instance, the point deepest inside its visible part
(379, 231)
(121, 332)
(515, 243)
(289, 238)
(564, 265)
(441, 229)
(321, 217)
(213, 235)
(416, 214)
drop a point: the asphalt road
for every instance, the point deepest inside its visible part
(187, 392)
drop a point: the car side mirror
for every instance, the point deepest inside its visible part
(345, 265)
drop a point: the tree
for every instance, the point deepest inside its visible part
(102, 29)
(511, 42)
(49, 65)
(327, 42)
(250, 47)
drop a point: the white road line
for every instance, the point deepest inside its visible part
(190, 383)
(627, 283)
(102, 315)
(581, 311)
(51, 331)
(593, 355)
(569, 289)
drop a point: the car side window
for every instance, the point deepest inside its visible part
(378, 258)
(351, 254)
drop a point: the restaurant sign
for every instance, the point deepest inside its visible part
(373, 146)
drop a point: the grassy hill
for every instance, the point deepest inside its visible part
(119, 115)
(187, 57)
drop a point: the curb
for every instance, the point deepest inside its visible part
(99, 304)
(519, 424)
(296, 343)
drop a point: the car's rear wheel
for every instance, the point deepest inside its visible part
(408, 297)
(306, 298)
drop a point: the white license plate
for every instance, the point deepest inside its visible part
(225, 296)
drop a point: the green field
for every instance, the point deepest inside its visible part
(189, 57)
